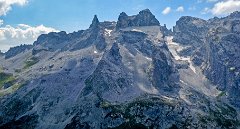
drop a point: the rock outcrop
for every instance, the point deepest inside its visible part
(213, 45)
(17, 50)
(144, 18)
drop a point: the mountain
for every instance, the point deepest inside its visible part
(144, 18)
(16, 50)
(214, 46)
(133, 73)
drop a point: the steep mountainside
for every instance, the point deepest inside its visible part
(214, 46)
(133, 73)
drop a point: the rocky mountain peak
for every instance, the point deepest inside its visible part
(95, 22)
(49, 37)
(123, 14)
(145, 11)
(235, 14)
(140, 76)
(13, 51)
(190, 24)
(190, 20)
(144, 18)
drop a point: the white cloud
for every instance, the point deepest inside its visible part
(21, 34)
(167, 10)
(1, 22)
(180, 9)
(206, 10)
(6, 5)
(209, 1)
(226, 7)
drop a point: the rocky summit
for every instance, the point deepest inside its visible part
(133, 73)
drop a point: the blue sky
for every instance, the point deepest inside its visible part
(71, 15)
(42, 16)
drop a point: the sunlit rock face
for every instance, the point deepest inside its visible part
(133, 73)
(213, 45)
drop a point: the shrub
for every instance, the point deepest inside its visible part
(31, 62)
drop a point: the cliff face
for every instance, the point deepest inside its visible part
(132, 73)
(144, 18)
(213, 45)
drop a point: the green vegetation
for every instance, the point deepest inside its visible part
(6, 78)
(17, 70)
(105, 104)
(224, 116)
(125, 110)
(88, 87)
(11, 89)
(11, 83)
(130, 125)
(223, 93)
(30, 62)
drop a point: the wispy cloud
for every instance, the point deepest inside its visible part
(208, 1)
(206, 10)
(226, 7)
(180, 9)
(212, 1)
(222, 7)
(1, 22)
(166, 11)
(6, 5)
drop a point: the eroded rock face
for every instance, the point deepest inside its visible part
(223, 68)
(144, 18)
(95, 22)
(53, 38)
(128, 74)
(16, 50)
(151, 112)
(50, 42)
(109, 76)
(164, 74)
(214, 45)
(190, 31)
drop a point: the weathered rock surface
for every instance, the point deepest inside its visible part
(132, 73)
(144, 18)
(214, 45)
(16, 50)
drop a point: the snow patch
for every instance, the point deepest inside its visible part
(174, 47)
(190, 63)
(183, 82)
(108, 32)
(148, 58)
(137, 30)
